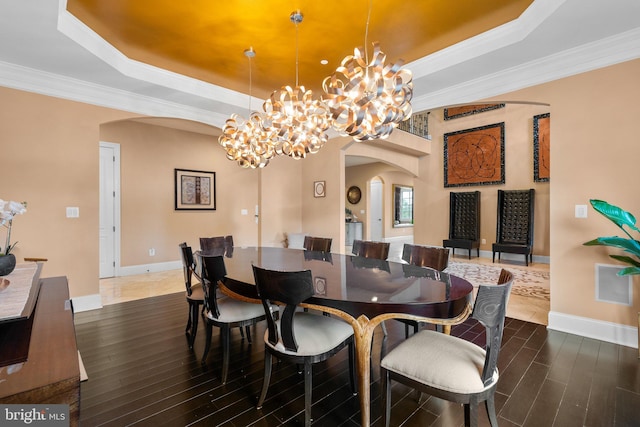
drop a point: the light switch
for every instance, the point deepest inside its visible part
(73, 212)
(581, 211)
(244, 212)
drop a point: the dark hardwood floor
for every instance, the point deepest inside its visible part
(141, 372)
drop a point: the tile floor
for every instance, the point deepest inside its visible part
(128, 288)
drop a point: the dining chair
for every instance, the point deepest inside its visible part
(222, 311)
(434, 257)
(228, 246)
(212, 244)
(194, 294)
(514, 224)
(370, 249)
(374, 250)
(464, 222)
(453, 368)
(321, 244)
(299, 337)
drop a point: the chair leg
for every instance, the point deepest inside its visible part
(307, 392)
(386, 396)
(491, 410)
(248, 333)
(266, 379)
(194, 323)
(187, 330)
(225, 331)
(241, 332)
(469, 253)
(207, 344)
(352, 369)
(494, 257)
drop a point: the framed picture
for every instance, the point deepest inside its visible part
(195, 190)
(474, 156)
(467, 110)
(319, 189)
(541, 147)
(320, 285)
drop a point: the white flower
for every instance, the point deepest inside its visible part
(7, 211)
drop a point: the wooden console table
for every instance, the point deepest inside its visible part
(51, 373)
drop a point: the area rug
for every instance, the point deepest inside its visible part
(526, 282)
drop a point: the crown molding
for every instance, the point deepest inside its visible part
(602, 53)
(44, 83)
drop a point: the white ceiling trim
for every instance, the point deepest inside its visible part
(497, 38)
(84, 36)
(603, 53)
(44, 83)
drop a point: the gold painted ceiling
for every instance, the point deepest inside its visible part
(205, 39)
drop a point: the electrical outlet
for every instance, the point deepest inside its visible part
(484, 241)
(152, 252)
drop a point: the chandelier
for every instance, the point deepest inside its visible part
(296, 121)
(367, 99)
(246, 141)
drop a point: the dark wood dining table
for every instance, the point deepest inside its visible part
(362, 291)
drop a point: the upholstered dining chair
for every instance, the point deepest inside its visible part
(434, 257)
(194, 294)
(370, 249)
(453, 368)
(222, 311)
(320, 244)
(298, 337)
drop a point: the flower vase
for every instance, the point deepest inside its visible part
(7, 264)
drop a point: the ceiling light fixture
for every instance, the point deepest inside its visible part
(245, 140)
(297, 121)
(367, 100)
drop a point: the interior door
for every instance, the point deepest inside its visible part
(109, 160)
(375, 207)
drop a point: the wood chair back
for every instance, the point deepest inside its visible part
(285, 287)
(426, 256)
(321, 244)
(370, 249)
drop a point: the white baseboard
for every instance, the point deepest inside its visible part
(86, 303)
(596, 329)
(149, 268)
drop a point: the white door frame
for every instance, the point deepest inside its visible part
(115, 149)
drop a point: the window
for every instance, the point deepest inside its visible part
(402, 206)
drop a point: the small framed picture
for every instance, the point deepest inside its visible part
(195, 190)
(320, 285)
(319, 189)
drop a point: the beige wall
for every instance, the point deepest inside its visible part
(361, 176)
(594, 154)
(50, 160)
(149, 154)
(433, 198)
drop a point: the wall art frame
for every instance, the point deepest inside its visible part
(319, 189)
(195, 190)
(474, 156)
(542, 147)
(468, 110)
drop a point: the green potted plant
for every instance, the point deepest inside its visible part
(628, 244)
